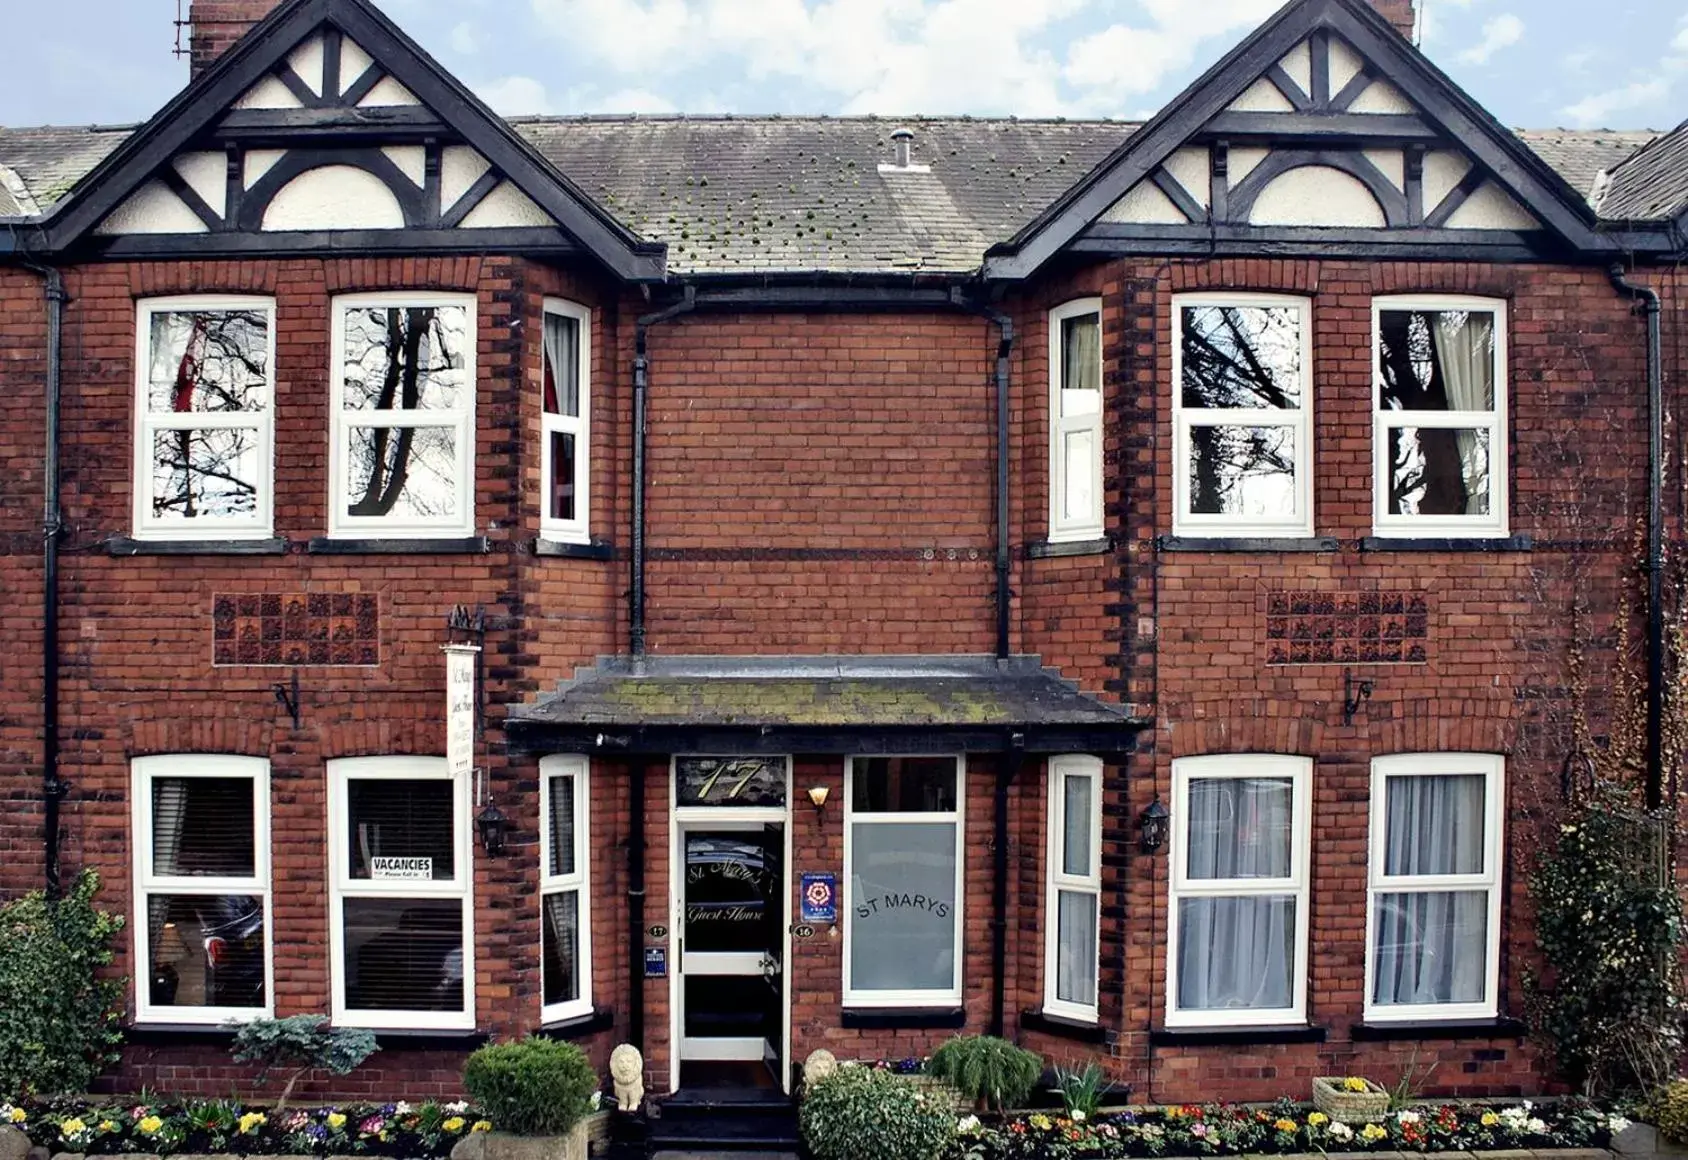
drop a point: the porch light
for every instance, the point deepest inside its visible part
(494, 828)
(817, 796)
(1152, 827)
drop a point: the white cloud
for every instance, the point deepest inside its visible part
(514, 96)
(1502, 31)
(902, 56)
(466, 39)
(1596, 109)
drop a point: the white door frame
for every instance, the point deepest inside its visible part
(681, 819)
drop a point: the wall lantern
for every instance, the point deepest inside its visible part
(1152, 827)
(494, 828)
(818, 795)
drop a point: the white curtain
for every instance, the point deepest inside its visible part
(1431, 946)
(562, 365)
(1081, 364)
(1465, 346)
(1075, 965)
(1237, 951)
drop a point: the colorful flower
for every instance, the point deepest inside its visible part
(251, 1122)
(967, 1125)
(457, 1107)
(1078, 1116)
(1341, 1132)
(1284, 1125)
(1317, 1119)
(455, 1124)
(1354, 1084)
(72, 1127)
(108, 1125)
(1371, 1133)
(336, 1120)
(1536, 1126)
(1041, 1122)
(372, 1126)
(149, 1124)
(1408, 1117)
(481, 1126)
(16, 1115)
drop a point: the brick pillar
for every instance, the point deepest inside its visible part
(1397, 12)
(214, 26)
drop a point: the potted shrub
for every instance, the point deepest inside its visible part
(537, 1093)
(992, 1072)
(1350, 1099)
(859, 1112)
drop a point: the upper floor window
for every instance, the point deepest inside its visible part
(400, 906)
(1440, 437)
(1242, 411)
(565, 429)
(1434, 915)
(204, 418)
(565, 923)
(402, 458)
(1075, 420)
(1073, 914)
(1238, 938)
(202, 888)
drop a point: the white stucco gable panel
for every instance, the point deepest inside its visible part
(1491, 208)
(388, 93)
(335, 197)
(260, 162)
(207, 174)
(1381, 97)
(1145, 205)
(1316, 195)
(353, 62)
(412, 161)
(268, 93)
(506, 207)
(1262, 97)
(1299, 66)
(460, 167)
(1392, 163)
(1443, 170)
(1192, 168)
(307, 61)
(1345, 64)
(152, 209)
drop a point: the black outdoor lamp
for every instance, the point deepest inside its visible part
(494, 828)
(1152, 827)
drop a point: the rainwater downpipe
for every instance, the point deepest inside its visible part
(1004, 353)
(53, 789)
(1648, 303)
(641, 383)
(636, 902)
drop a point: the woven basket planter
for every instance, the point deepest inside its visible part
(1348, 1107)
(938, 1090)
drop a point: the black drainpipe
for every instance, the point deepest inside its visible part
(641, 380)
(636, 903)
(53, 790)
(1648, 304)
(1008, 765)
(1004, 352)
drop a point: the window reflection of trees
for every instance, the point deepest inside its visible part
(207, 363)
(404, 360)
(1242, 359)
(1434, 470)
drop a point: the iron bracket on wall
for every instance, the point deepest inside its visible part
(287, 693)
(1354, 695)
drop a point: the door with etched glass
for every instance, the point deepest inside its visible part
(731, 941)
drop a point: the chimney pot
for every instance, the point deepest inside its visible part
(902, 141)
(215, 26)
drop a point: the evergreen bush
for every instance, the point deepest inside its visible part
(861, 1112)
(991, 1071)
(533, 1088)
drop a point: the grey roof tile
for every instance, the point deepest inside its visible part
(1582, 156)
(1652, 183)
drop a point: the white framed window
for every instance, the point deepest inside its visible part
(1433, 910)
(566, 426)
(1242, 413)
(202, 888)
(1073, 913)
(402, 397)
(1439, 436)
(1238, 931)
(565, 904)
(1075, 421)
(903, 869)
(204, 418)
(401, 915)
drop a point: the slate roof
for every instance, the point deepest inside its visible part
(821, 692)
(1653, 184)
(797, 194)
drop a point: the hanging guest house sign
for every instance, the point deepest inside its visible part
(460, 708)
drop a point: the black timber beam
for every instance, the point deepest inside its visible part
(1278, 127)
(1119, 240)
(255, 127)
(531, 241)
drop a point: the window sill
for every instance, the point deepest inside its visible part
(1062, 1027)
(461, 546)
(124, 546)
(430, 1040)
(1062, 549)
(1262, 545)
(904, 1018)
(568, 550)
(1447, 544)
(179, 1035)
(1502, 1027)
(601, 1019)
(1234, 1036)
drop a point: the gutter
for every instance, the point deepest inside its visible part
(1648, 303)
(641, 383)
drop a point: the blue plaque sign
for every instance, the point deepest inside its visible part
(820, 898)
(656, 962)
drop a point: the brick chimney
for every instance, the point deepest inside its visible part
(1399, 13)
(215, 25)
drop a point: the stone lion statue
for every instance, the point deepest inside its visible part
(820, 1064)
(627, 1069)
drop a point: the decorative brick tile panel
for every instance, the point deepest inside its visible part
(1347, 628)
(297, 628)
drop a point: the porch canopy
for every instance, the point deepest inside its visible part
(820, 705)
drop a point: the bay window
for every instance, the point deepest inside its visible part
(1242, 408)
(1238, 935)
(903, 869)
(1075, 421)
(400, 922)
(402, 397)
(565, 424)
(205, 428)
(1440, 418)
(566, 927)
(1072, 916)
(1434, 899)
(202, 888)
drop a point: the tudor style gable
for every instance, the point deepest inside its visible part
(1324, 131)
(326, 127)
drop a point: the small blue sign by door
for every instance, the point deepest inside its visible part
(656, 962)
(820, 898)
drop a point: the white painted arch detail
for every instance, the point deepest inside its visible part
(334, 197)
(1317, 195)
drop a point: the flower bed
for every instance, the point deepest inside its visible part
(421, 1132)
(1285, 1129)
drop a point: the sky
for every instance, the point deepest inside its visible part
(1533, 63)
